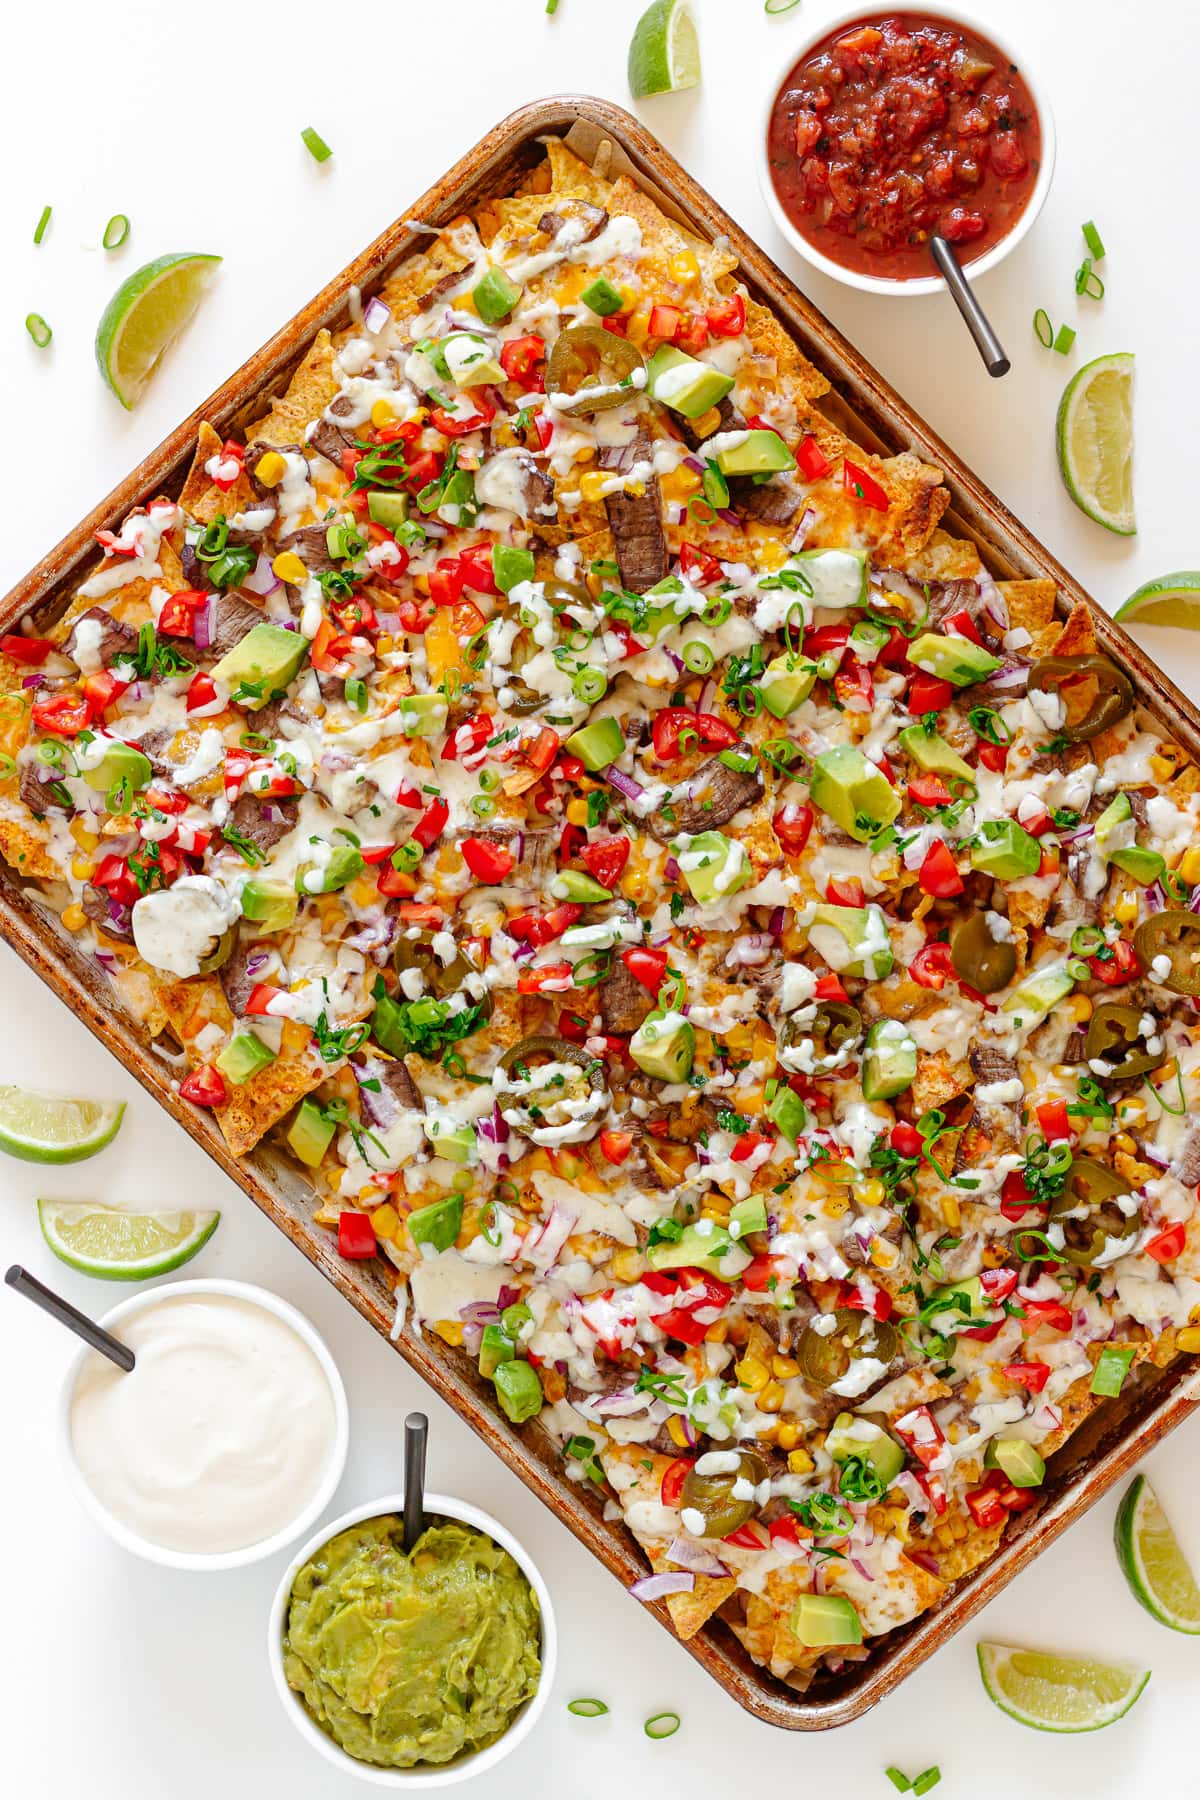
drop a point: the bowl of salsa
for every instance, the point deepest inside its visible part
(891, 126)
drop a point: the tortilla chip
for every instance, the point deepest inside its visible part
(1031, 608)
(939, 1080)
(455, 249)
(25, 848)
(768, 339)
(946, 558)
(960, 1558)
(690, 1612)
(1078, 635)
(201, 498)
(662, 239)
(569, 174)
(1026, 908)
(309, 392)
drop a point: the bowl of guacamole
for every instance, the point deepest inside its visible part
(413, 1669)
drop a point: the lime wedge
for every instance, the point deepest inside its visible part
(1169, 600)
(46, 1128)
(1153, 1564)
(664, 55)
(122, 1246)
(1058, 1693)
(147, 312)
(1095, 441)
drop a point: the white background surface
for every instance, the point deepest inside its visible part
(118, 1679)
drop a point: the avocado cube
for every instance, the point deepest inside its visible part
(437, 1225)
(664, 1047)
(578, 886)
(495, 1347)
(1005, 850)
(310, 1134)
(343, 864)
(852, 939)
(684, 383)
(495, 296)
(788, 1113)
(511, 565)
(1142, 866)
(855, 793)
(748, 1215)
(838, 578)
(890, 1060)
(954, 659)
(452, 1138)
(602, 297)
(713, 866)
(269, 904)
(850, 1436)
(518, 1390)
(930, 751)
(758, 453)
(1035, 996)
(388, 1025)
(958, 1303)
(423, 715)
(597, 744)
(469, 361)
(262, 664)
(388, 510)
(121, 772)
(1115, 828)
(1018, 1460)
(714, 1251)
(786, 683)
(820, 1621)
(243, 1056)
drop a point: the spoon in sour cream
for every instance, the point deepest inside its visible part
(92, 1334)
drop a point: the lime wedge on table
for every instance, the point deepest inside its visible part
(665, 53)
(48, 1128)
(147, 312)
(1095, 441)
(1153, 1564)
(1058, 1693)
(122, 1246)
(1169, 600)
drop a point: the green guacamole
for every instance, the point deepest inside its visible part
(416, 1658)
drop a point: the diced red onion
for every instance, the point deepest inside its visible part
(894, 581)
(696, 1557)
(256, 962)
(1156, 899)
(106, 959)
(690, 1434)
(657, 1587)
(1158, 1157)
(508, 1296)
(671, 869)
(752, 949)
(912, 1490)
(1013, 679)
(624, 784)
(388, 622)
(1077, 835)
(808, 519)
(202, 625)
(544, 1252)
(1194, 902)
(861, 1568)
(480, 1312)
(776, 921)
(376, 315)
(727, 516)
(619, 1405)
(262, 578)
(694, 464)
(923, 1560)
(708, 694)
(31, 681)
(677, 661)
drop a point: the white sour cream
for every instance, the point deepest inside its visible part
(220, 1436)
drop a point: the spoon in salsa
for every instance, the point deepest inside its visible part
(986, 342)
(416, 1437)
(92, 1334)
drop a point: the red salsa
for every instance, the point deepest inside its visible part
(897, 127)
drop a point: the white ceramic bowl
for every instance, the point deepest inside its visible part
(431, 1775)
(807, 41)
(249, 1553)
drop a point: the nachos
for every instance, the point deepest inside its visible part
(734, 957)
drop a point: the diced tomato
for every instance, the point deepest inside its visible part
(543, 928)
(812, 461)
(451, 427)
(1051, 1313)
(698, 565)
(921, 1435)
(356, 614)
(1049, 863)
(202, 691)
(617, 323)
(615, 1146)
(178, 616)
(846, 892)
(1038, 823)
(375, 853)
(519, 357)
(394, 883)
(1015, 1198)
(866, 1299)
(446, 581)
(205, 1086)
(785, 1530)
(864, 487)
(998, 1284)
(1121, 967)
(926, 694)
(683, 1324)
(64, 714)
(905, 1138)
(420, 912)
(321, 650)
(993, 756)
(983, 1334)
(1168, 1244)
(356, 1236)
(938, 875)
(854, 687)
(472, 735)
(431, 823)
(112, 874)
(261, 996)
(167, 800)
(541, 751)
(488, 862)
(929, 791)
(692, 335)
(29, 650)
(792, 825)
(415, 615)
(932, 967)
(555, 977)
(931, 1483)
(961, 624)
(664, 322)
(575, 1028)
(646, 965)
(101, 690)
(1052, 1117)
(673, 721)
(728, 318)
(823, 640)
(747, 1144)
(605, 859)
(985, 1506)
(829, 987)
(674, 1476)
(1030, 1375)
(763, 1273)
(747, 1537)
(475, 562)
(544, 426)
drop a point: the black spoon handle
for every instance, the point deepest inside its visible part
(986, 342)
(70, 1316)
(416, 1436)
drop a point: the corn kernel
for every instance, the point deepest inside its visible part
(800, 1462)
(787, 1434)
(718, 1331)
(74, 918)
(1124, 1142)
(1163, 768)
(951, 1210)
(626, 1265)
(771, 1397)
(381, 413)
(270, 469)
(82, 868)
(592, 485)
(87, 840)
(752, 1374)
(784, 1367)
(450, 1329)
(1078, 1007)
(1126, 909)
(835, 1205)
(636, 488)
(707, 423)
(684, 267)
(676, 1432)
(577, 812)
(288, 567)
(680, 483)
(1189, 866)
(1189, 1340)
(872, 1193)
(363, 891)
(1132, 1110)
(386, 1220)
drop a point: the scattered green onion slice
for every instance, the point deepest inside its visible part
(1087, 282)
(662, 1725)
(780, 6)
(315, 144)
(1064, 339)
(1043, 328)
(116, 231)
(356, 693)
(482, 805)
(929, 1779)
(38, 329)
(590, 683)
(42, 223)
(8, 766)
(489, 780)
(552, 8)
(1094, 241)
(898, 1779)
(702, 510)
(407, 856)
(584, 1709)
(698, 656)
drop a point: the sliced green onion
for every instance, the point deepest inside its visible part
(1064, 339)
(1078, 971)
(1086, 940)
(662, 1725)
(740, 761)
(1094, 241)
(482, 805)
(315, 144)
(698, 656)
(116, 231)
(407, 856)
(42, 223)
(1043, 328)
(38, 329)
(701, 510)
(780, 6)
(489, 780)
(590, 683)
(552, 8)
(356, 693)
(715, 486)
(717, 610)
(898, 1779)
(928, 1780)
(1111, 1370)
(584, 1709)
(7, 766)
(1087, 282)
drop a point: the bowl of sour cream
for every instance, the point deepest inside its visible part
(224, 1443)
